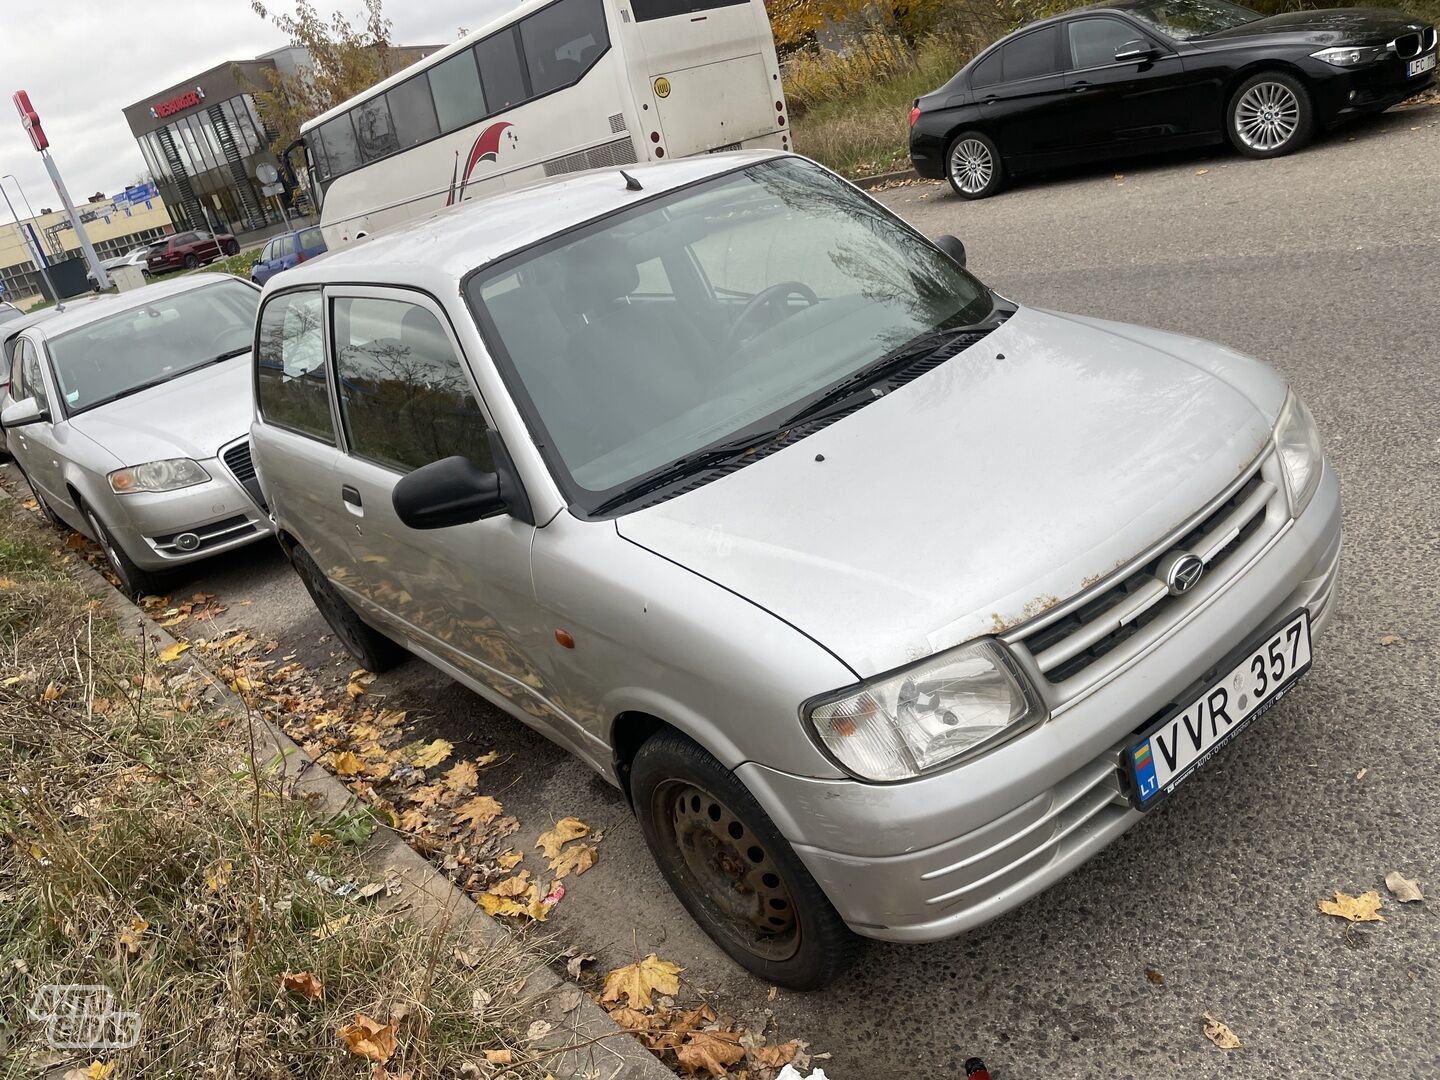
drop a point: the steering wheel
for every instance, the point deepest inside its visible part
(768, 299)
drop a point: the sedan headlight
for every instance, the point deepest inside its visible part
(901, 725)
(1352, 55)
(1298, 442)
(169, 475)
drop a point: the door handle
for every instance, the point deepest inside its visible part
(352, 499)
(1080, 87)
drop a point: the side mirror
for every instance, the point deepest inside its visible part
(21, 413)
(1137, 51)
(952, 246)
(446, 493)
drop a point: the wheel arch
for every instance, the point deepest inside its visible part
(629, 731)
(1256, 67)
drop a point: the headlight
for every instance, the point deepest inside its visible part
(1352, 55)
(901, 725)
(169, 475)
(1298, 442)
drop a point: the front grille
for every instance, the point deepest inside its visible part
(604, 156)
(212, 535)
(1066, 642)
(1428, 36)
(1407, 46)
(242, 466)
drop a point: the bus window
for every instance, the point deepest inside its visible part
(414, 112)
(374, 129)
(341, 151)
(455, 85)
(645, 10)
(562, 41)
(502, 70)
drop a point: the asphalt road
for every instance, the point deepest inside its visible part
(1324, 264)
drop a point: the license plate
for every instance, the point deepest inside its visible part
(1255, 678)
(1419, 67)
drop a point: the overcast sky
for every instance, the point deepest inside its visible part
(82, 61)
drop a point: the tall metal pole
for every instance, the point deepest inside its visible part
(102, 278)
(54, 293)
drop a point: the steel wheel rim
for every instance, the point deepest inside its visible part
(1267, 116)
(971, 165)
(727, 870)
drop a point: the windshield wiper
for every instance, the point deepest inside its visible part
(709, 457)
(224, 356)
(123, 394)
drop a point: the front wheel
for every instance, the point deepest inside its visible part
(1270, 114)
(191, 262)
(974, 167)
(134, 582)
(728, 864)
(232, 248)
(372, 649)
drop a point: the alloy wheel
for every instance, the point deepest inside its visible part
(1267, 116)
(971, 165)
(728, 870)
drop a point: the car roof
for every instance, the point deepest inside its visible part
(436, 251)
(76, 314)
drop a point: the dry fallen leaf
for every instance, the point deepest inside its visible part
(577, 859)
(96, 1070)
(329, 928)
(217, 875)
(368, 1038)
(538, 1030)
(638, 981)
(1406, 890)
(171, 653)
(1362, 908)
(432, 754)
(74, 542)
(713, 1051)
(1154, 976)
(479, 811)
(305, 983)
(775, 1057)
(131, 935)
(1391, 639)
(508, 859)
(462, 777)
(565, 830)
(511, 887)
(51, 692)
(348, 764)
(576, 964)
(500, 1057)
(1220, 1035)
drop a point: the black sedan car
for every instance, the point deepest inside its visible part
(1143, 75)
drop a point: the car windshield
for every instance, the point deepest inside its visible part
(707, 314)
(145, 346)
(7, 313)
(1184, 20)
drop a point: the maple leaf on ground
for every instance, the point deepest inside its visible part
(414, 820)
(638, 981)
(348, 764)
(577, 858)
(217, 875)
(462, 777)
(1362, 908)
(431, 754)
(712, 1051)
(775, 1057)
(565, 830)
(359, 683)
(1220, 1034)
(510, 887)
(1406, 890)
(131, 935)
(369, 1038)
(171, 653)
(509, 859)
(529, 905)
(425, 797)
(634, 1019)
(479, 811)
(305, 983)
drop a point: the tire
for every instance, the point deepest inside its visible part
(53, 518)
(372, 649)
(134, 582)
(973, 166)
(1270, 114)
(731, 868)
(232, 248)
(191, 262)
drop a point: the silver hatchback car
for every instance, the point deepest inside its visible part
(887, 602)
(128, 416)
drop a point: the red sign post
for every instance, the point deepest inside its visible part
(30, 119)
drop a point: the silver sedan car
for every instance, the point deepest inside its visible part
(128, 415)
(886, 601)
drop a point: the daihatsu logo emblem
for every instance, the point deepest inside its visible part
(1184, 573)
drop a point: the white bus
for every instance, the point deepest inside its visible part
(556, 86)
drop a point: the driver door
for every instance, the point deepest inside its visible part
(1122, 107)
(38, 447)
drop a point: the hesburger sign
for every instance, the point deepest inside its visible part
(187, 100)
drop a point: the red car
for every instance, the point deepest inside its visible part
(189, 250)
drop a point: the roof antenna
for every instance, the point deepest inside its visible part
(631, 184)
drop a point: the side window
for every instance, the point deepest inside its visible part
(1032, 55)
(414, 112)
(374, 129)
(342, 153)
(502, 70)
(562, 41)
(292, 383)
(311, 239)
(1093, 41)
(30, 377)
(285, 246)
(404, 396)
(455, 85)
(987, 73)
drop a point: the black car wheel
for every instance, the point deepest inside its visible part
(134, 581)
(191, 262)
(232, 248)
(1270, 114)
(731, 868)
(372, 649)
(973, 166)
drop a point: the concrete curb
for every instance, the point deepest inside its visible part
(868, 182)
(600, 1047)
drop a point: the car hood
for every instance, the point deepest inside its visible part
(190, 416)
(1331, 26)
(979, 494)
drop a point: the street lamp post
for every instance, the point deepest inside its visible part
(40, 266)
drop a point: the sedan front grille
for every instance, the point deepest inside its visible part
(1407, 46)
(242, 466)
(1070, 639)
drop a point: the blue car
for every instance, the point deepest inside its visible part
(283, 252)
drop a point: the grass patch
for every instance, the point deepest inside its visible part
(144, 848)
(237, 264)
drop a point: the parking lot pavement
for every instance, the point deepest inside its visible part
(1325, 264)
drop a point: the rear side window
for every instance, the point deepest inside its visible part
(562, 42)
(342, 153)
(502, 71)
(291, 381)
(404, 396)
(285, 245)
(455, 85)
(987, 72)
(414, 112)
(375, 129)
(1032, 55)
(311, 239)
(645, 10)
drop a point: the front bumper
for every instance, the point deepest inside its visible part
(934, 857)
(218, 513)
(1341, 93)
